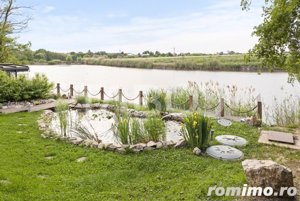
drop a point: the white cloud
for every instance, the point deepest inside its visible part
(217, 28)
(48, 9)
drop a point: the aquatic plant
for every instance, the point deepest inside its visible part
(62, 109)
(196, 129)
(155, 128)
(85, 131)
(137, 133)
(157, 100)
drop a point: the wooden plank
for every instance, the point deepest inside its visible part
(34, 108)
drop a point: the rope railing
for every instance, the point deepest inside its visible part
(131, 99)
(209, 109)
(90, 93)
(239, 111)
(144, 99)
(111, 97)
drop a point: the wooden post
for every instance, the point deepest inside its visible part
(85, 91)
(58, 89)
(259, 107)
(71, 90)
(191, 103)
(141, 98)
(102, 93)
(120, 95)
(222, 104)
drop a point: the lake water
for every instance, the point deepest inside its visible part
(269, 85)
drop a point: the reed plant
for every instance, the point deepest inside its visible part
(196, 130)
(155, 128)
(157, 100)
(137, 133)
(62, 108)
(179, 98)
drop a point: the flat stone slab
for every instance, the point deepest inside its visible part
(224, 122)
(224, 152)
(231, 140)
(281, 137)
(264, 139)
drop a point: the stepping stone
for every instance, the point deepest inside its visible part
(224, 122)
(231, 140)
(19, 132)
(49, 157)
(224, 152)
(81, 160)
(41, 176)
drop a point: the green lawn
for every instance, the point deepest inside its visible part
(26, 173)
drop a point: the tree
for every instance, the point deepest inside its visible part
(12, 21)
(279, 36)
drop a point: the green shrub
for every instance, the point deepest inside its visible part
(196, 130)
(24, 89)
(82, 100)
(155, 129)
(157, 99)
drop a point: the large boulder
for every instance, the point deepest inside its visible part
(174, 117)
(267, 173)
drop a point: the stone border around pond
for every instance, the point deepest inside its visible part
(44, 125)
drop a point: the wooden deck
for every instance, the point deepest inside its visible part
(35, 108)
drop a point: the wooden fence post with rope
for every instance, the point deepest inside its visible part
(141, 98)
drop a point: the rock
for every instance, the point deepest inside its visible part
(267, 173)
(168, 143)
(80, 160)
(88, 143)
(159, 145)
(94, 145)
(174, 117)
(137, 114)
(111, 147)
(138, 147)
(149, 148)
(125, 146)
(151, 144)
(101, 146)
(121, 150)
(197, 151)
(95, 106)
(77, 141)
(44, 136)
(181, 143)
(47, 112)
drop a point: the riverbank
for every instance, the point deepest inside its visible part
(233, 63)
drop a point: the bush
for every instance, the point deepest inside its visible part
(82, 100)
(157, 99)
(196, 130)
(155, 129)
(24, 89)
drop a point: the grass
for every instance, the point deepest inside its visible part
(208, 62)
(156, 175)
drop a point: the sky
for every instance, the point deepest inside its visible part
(132, 26)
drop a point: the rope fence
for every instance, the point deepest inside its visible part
(142, 100)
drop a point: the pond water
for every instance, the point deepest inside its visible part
(100, 124)
(269, 85)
